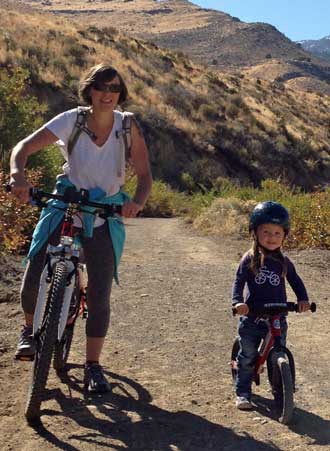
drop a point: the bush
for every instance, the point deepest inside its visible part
(209, 111)
(17, 220)
(162, 202)
(228, 216)
(20, 113)
(309, 212)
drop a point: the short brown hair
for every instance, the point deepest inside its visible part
(99, 74)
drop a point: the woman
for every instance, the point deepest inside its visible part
(95, 162)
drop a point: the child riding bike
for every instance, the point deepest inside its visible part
(263, 270)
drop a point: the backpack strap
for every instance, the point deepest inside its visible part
(79, 126)
(127, 124)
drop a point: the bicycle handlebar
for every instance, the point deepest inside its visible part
(273, 308)
(71, 196)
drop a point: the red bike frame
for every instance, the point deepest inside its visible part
(274, 334)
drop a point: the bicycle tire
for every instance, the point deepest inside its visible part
(283, 389)
(45, 341)
(62, 348)
(234, 353)
(290, 358)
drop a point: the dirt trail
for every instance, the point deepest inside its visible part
(167, 358)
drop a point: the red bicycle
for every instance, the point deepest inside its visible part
(279, 359)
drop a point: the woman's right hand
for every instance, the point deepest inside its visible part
(242, 309)
(20, 187)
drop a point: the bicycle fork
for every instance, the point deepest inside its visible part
(45, 281)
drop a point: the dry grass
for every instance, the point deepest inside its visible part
(225, 217)
(202, 122)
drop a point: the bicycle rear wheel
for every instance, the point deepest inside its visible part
(233, 363)
(45, 340)
(282, 385)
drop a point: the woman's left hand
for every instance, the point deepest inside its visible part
(130, 209)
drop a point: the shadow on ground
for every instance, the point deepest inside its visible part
(303, 422)
(125, 419)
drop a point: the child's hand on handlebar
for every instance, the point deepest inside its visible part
(303, 306)
(242, 308)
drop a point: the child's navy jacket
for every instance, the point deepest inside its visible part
(268, 285)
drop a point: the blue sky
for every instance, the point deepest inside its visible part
(297, 19)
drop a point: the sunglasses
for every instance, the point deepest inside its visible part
(107, 88)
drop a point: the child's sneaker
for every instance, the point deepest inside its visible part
(242, 403)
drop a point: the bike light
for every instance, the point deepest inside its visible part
(66, 240)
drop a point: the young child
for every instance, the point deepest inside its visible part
(263, 269)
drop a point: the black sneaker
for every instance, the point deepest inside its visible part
(26, 345)
(95, 381)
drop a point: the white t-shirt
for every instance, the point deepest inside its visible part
(91, 166)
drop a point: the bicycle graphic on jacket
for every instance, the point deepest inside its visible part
(264, 274)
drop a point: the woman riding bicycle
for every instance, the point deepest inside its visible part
(263, 269)
(96, 163)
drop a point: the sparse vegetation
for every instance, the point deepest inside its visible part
(202, 127)
(229, 214)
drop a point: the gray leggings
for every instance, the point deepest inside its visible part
(99, 258)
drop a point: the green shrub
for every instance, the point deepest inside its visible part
(20, 113)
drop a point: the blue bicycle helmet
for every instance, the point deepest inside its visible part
(269, 213)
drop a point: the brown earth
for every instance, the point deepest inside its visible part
(167, 358)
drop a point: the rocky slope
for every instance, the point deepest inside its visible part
(207, 35)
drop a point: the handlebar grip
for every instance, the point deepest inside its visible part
(313, 307)
(234, 311)
(8, 189)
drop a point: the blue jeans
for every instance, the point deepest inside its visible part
(250, 335)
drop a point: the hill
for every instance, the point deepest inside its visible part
(200, 125)
(208, 36)
(318, 47)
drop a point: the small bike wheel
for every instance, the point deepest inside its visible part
(62, 347)
(290, 358)
(45, 340)
(283, 389)
(233, 363)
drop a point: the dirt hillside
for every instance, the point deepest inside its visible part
(167, 358)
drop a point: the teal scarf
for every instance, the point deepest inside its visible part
(51, 217)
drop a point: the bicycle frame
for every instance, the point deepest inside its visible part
(272, 340)
(67, 250)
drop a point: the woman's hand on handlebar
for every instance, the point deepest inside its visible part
(130, 209)
(303, 306)
(20, 187)
(241, 308)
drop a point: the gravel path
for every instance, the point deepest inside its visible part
(167, 358)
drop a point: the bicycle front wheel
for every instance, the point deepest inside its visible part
(45, 340)
(282, 385)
